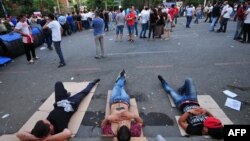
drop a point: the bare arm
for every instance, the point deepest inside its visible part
(26, 136)
(18, 31)
(183, 120)
(64, 135)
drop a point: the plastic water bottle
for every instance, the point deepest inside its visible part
(160, 138)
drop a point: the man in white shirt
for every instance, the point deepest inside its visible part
(24, 29)
(56, 37)
(246, 26)
(144, 22)
(225, 14)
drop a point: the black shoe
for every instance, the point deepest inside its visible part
(61, 65)
(161, 79)
(96, 80)
(96, 57)
(121, 74)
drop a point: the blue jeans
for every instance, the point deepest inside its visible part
(118, 93)
(136, 29)
(144, 27)
(119, 29)
(62, 94)
(238, 31)
(59, 51)
(189, 20)
(131, 29)
(186, 92)
(214, 20)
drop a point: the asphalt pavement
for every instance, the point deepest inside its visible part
(214, 60)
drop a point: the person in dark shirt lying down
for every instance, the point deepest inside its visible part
(55, 127)
(195, 120)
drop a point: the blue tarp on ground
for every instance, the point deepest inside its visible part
(4, 60)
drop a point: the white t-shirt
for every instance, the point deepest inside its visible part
(24, 28)
(247, 20)
(56, 30)
(144, 16)
(228, 13)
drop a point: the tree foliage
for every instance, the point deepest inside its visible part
(16, 7)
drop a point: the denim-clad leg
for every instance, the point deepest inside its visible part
(59, 51)
(119, 93)
(76, 99)
(177, 98)
(189, 90)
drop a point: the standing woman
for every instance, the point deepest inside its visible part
(167, 27)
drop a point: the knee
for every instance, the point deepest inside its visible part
(58, 83)
(189, 80)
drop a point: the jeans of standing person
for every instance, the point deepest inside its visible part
(136, 29)
(196, 19)
(189, 20)
(143, 30)
(175, 19)
(186, 92)
(118, 93)
(223, 26)
(29, 48)
(106, 27)
(238, 31)
(99, 46)
(246, 32)
(59, 51)
(62, 94)
(119, 29)
(213, 23)
(152, 27)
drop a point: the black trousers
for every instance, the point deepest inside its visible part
(29, 48)
(62, 94)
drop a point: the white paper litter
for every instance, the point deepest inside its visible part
(110, 39)
(229, 93)
(72, 78)
(1, 82)
(5, 116)
(232, 103)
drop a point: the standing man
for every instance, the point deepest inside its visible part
(98, 26)
(120, 21)
(24, 29)
(56, 29)
(130, 17)
(144, 22)
(225, 14)
(190, 14)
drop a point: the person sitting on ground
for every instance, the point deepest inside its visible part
(195, 120)
(124, 123)
(55, 127)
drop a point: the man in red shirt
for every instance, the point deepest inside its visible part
(130, 18)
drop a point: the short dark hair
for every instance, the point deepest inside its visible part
(51, 16)
(123, 134)
(40, 130)
(216, 133)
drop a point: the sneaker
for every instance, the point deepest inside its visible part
(97, 57)
(61, 65)
(121, 74)
(36, 58)
(161, 79)
(96, 80)
(31, 61)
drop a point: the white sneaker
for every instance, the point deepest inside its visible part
(36, 58)
(31, 61)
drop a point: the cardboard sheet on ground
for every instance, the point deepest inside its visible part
(11, 137)
(207, 102)
(133, 108)
(47, 106)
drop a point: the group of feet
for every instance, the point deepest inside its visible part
(32, 61)
(241, 40)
